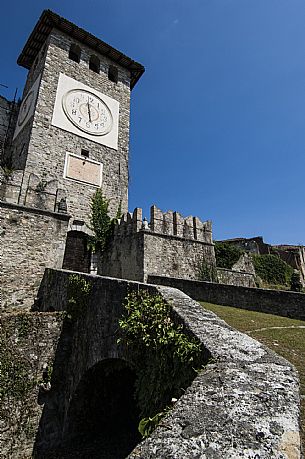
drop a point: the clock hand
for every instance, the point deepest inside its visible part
(89, 112)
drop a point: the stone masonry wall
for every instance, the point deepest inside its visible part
(124, 258)
(48, 144)
(230, 277)
(31, 240)
(4, 120)
(170, 245)
(44, 195)
(244, 403)
(278, 302)
(8, 118)
(173, 256)
(28, 343)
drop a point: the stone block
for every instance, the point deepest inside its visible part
(156, 220)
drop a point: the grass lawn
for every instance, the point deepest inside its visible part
(282, 335)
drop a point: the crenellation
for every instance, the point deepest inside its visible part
(167, 245)
(178, 221)
(202, 230)
(198, 229)
(156, 220)
(129, 223)
(137, 218)
(122, 226)
(168, 222)
(188, 229)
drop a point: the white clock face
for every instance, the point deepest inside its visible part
(87, 112)
(25, 107)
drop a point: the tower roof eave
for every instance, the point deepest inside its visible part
(49, 20)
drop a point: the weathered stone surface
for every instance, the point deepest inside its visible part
(161, 248)
(31, 240)
(244, 404)
(230, 277)
(244, 264)
(28, 343)
(278, 302)
(8, 117)
(40, 148)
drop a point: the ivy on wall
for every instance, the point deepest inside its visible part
(20, 377)
(206, 272)
(164, 357)
(272, 269)
(100, 222)
(78, 292)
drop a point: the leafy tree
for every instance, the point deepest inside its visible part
(226, 254)
(100, 222)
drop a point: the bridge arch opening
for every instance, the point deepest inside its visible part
(103, 418)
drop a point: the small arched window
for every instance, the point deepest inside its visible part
(94, 64)
(74, 53)
(113, 73)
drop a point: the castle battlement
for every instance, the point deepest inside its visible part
(167, 223)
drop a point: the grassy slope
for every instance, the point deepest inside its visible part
(288, 342)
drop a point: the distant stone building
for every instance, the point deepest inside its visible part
(252, 245)
(293, 255)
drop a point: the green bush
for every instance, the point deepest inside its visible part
(272, 270)
(226, 254)
(296, 284)
(100, 222)
(164, 357)
(78, 293)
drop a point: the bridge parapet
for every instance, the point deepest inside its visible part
(244, 402)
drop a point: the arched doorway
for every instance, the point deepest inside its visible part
(77, 256)
(103, 418)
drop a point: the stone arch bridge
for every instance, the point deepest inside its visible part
(244, 404)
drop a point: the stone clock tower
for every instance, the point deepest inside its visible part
(73, 126)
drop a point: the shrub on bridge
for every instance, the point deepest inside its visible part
(164, 357)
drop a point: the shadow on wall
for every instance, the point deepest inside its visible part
(102, 417)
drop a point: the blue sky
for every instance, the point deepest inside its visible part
(217, 120)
